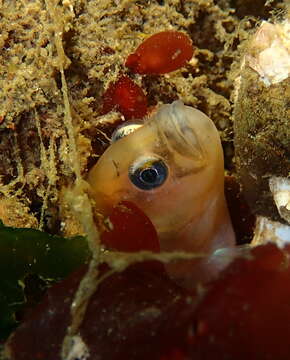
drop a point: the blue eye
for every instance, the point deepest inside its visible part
(148, 174)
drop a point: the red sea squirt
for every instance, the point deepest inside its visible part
(161, 53)
(127, 97)
(131, 230)
(246, 314)
(142, 314)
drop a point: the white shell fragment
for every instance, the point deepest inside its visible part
(280, 188)
(267, 230)
(269, 53)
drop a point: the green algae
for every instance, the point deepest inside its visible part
(26, 251)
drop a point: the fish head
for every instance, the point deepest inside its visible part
(171, 168)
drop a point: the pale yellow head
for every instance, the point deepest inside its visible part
(172, 169)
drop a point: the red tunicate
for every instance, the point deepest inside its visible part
(141, 314)
(127, 97)
(161, 53)
(246, 313)
(132, 230)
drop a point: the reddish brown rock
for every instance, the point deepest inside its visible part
(141, 314)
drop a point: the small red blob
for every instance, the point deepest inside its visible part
(132, 230)
(127, 97)
(161, 53)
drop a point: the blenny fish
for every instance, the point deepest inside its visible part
(171, 167)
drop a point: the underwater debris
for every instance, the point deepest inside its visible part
(79, 350)
(280, 188)
(267, 230)
(161, 53)
(269, 54)
(275, 231)
(154, 168)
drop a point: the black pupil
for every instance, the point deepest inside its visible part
(149, 176)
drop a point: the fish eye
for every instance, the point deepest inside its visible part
(148, 174)
(124, 130)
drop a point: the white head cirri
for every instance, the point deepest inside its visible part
(172, 168)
